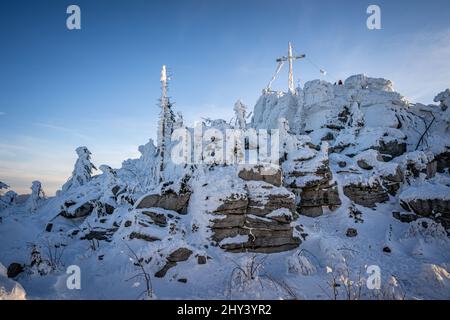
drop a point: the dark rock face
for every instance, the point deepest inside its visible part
(437, 209)
(80, 212)
(392, 182)
(14, 270)
(392, 149)
(252, 215)
(311, 180)
(365, 195)
(405, 217)
(168, 200)
(260, 173)
(443, 162)
(158, 218)
(98, 234)
(314, 198)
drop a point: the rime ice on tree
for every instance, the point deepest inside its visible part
(166, 123)
(82, 171)
(240, 111)
(37, 195)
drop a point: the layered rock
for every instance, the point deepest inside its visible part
(168, 199)
(256, 217)
(261, 173)
(308, 175)
(367, 195)
(428, 200)
(150, 225)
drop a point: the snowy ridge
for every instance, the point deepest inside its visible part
(364, 180)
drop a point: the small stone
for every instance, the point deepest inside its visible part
(342, 164)
(142, 236)
(14, 270)
(387, 250)
(351, 232)
(182, 280)
(201, 260)
(49, 227)
(364, 165)
(128, 223)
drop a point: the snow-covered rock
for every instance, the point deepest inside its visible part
(10, 289)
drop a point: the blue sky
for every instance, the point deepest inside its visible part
(99, 86)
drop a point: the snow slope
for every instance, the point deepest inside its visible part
(361, 133)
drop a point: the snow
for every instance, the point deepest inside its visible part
(358, 115)
(283, 212)
(426, 191)
(234, 240)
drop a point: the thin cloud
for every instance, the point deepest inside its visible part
(2, 113)
(63, 129)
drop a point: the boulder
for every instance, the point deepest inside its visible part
(14, 270)
(391, 149)
(162, 272)
(261, 173)
(437, 209)
(443, 162)
(181, 254)
(169, 200)
(366, 195)
(262, 216)
(79, 212)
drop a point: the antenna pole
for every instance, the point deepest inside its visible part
(291, 69)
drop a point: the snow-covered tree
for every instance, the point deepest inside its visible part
(36, 197)
(165, 125)
(9, 198)
(179, 121)
(3, 186)
(444, 99)
(111, 174)
(240, 111)
(82, 171)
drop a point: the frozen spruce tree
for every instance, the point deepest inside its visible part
(82, 172)
(240, 111)
(166, 123)
(36, 197)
